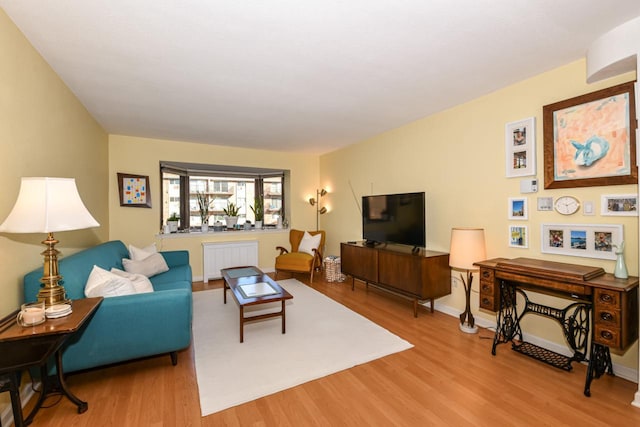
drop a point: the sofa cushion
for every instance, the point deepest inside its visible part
(138, 254)
(102, 283)
(140, 281)
(150, 266)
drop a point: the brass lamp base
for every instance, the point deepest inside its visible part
(51, 292)
(53, 295)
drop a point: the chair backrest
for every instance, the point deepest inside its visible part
(295, 237)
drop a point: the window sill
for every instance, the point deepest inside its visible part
(226, 233)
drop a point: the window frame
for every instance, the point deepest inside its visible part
(187, 170)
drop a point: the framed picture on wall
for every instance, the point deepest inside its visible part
(582, 240)
(518, 208)
(520, 147)
(134, 190)
(518, 236)
(590, 140)
(619, 205)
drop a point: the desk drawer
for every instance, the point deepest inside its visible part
(607, 336)
(606, 298)
(487, 302)
(487, 274)
(489, 290)
(607, 317)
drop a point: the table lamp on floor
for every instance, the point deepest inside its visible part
(46, 205)
(467, 247)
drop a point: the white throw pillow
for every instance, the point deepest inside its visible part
(140, 281)
(150, 266)
(138, 254)
(309, 243)
(102, 283)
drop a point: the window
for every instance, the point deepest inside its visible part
(181, 183)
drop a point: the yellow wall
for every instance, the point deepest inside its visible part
(44, 131)
(458, 158)
(142, 156)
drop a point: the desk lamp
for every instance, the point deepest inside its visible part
(46, 205)
(467, 247)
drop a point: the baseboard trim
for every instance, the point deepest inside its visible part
(619, 370)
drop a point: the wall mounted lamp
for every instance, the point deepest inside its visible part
(316, 202)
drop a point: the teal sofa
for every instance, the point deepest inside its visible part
(129, 326)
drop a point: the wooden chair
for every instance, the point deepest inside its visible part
(299, 262)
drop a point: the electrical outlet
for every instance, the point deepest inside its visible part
(454, 282)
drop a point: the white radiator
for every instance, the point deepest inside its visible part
(219, 255)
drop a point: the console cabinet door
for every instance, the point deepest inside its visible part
(401, 271)
(360, 262)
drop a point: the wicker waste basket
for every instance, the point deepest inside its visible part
(332, 269)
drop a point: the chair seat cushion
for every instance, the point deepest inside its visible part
(294, 261)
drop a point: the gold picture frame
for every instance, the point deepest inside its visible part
(590, 140)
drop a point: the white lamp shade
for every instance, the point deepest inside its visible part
(467, 247)
(46, 205)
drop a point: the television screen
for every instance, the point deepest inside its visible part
(394, 218)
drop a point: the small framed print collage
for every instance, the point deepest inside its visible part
(583, 240)
(519, 211)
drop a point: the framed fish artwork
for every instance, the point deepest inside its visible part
(590, 140)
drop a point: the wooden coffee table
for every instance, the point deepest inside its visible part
(250, 286)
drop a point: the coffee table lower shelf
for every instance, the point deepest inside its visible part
(235, 278)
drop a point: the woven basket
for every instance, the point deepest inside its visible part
(332, 269)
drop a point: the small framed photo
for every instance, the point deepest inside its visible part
(134, 190)
(619, 205)
(518, 236)
(582, 240)
(518, 208)
(520, 147)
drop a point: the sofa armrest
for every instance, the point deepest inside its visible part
(176, 258)
(132, 326)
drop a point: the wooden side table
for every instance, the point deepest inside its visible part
(26, 347)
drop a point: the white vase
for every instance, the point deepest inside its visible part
(258, 225)
(621, 269)
(231, 221)
(204, 228)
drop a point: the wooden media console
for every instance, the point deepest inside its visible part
(419, 275)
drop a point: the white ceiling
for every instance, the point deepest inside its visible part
(299, 75)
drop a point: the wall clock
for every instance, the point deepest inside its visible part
(567, 205)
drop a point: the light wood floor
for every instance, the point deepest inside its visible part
(448, 378)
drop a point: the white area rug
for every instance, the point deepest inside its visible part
(322, 337)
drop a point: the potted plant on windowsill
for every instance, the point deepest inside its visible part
(231, 214)
(172, 222)
(203, 206)
(258, 212)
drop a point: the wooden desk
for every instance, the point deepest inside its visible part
(612, 304)
(25, 347)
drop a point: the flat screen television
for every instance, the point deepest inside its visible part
(394, 218)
